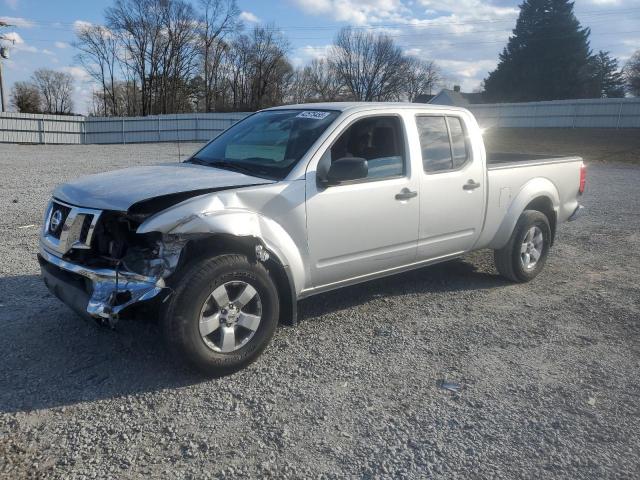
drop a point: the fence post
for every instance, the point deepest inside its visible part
(41, 130)
(83, 138)
(123, 139)
(619, 115)
(197, 133)
(159, 138)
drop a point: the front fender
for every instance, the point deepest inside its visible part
(208, 215)
(530, 191)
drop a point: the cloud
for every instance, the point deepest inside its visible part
(80, 25)
(249, 17)
(60, 45)
(18, 22)
(306, 54)
(468, 70)
(79, 74)
(18, 43)
(605, 2)
(358, 12)
(12, 4)
(48, 52)
(13, 37)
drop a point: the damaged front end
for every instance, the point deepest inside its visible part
(95, 262)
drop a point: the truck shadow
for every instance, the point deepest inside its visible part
(52, 358)
(452, 276)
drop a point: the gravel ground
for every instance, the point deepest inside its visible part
(549, 371)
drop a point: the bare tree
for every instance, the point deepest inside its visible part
(422, 77)
(25, 98)
(316, 82)
(370, 64)
(138, 26)
(218, 19)
(98, 55)
(178, 55)
(55, 89)
(259, 72)
(268, 67)
(325, 82)
(632, 74)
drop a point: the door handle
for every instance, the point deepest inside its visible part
(406, 194)
(470, 185)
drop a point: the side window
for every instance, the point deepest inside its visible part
(443, 143)
(458, 142)
(379, 140)
(434, 142)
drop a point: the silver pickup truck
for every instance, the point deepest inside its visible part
(290, 202)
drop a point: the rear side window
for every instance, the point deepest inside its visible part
(443, 143)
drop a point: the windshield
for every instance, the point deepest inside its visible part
(267, 144)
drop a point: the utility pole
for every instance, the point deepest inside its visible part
(4, 53)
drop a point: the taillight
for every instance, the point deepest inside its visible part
(583, 178)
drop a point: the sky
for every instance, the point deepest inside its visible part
(464, 37)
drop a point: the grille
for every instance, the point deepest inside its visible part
(64, 210)
(86, 225)
(71, 228)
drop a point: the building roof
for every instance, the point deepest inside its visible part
(456, 98)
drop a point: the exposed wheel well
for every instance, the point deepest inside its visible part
(545, 205)
(205, 246)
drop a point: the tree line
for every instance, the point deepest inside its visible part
(172, 56)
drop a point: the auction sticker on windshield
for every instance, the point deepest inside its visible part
(314, 114)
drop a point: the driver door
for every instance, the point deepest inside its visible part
(364, 226)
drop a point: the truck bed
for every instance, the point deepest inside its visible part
(509, 174)
(496, 160)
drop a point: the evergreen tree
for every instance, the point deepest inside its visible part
(547, 58)
(607, 79)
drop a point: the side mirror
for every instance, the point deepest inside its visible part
(346, 169)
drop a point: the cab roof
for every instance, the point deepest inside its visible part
(363, 106)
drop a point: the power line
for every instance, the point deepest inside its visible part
(433, 22)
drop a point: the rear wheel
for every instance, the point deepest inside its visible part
(524, 256)
(222, 315)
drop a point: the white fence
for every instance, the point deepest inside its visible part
(48, 129)
(589, 113)
(33, 128)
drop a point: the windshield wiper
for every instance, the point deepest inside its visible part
(235, 166)
(249, 170)
(198, 161)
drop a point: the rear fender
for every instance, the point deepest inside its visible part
(532, 190)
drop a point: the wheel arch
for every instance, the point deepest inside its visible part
(538, 194)
(224, 243)
(240, 231)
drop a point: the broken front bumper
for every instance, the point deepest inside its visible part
(99, 293)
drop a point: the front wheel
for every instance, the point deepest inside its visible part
(524, 256)
(222, 315)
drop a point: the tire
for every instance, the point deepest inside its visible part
(198, 304)
(511, 260)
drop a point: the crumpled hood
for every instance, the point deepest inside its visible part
(120, 189)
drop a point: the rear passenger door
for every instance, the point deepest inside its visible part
(452, 189)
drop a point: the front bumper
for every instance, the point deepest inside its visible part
(97, 293)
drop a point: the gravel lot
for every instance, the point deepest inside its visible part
(549, 370)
